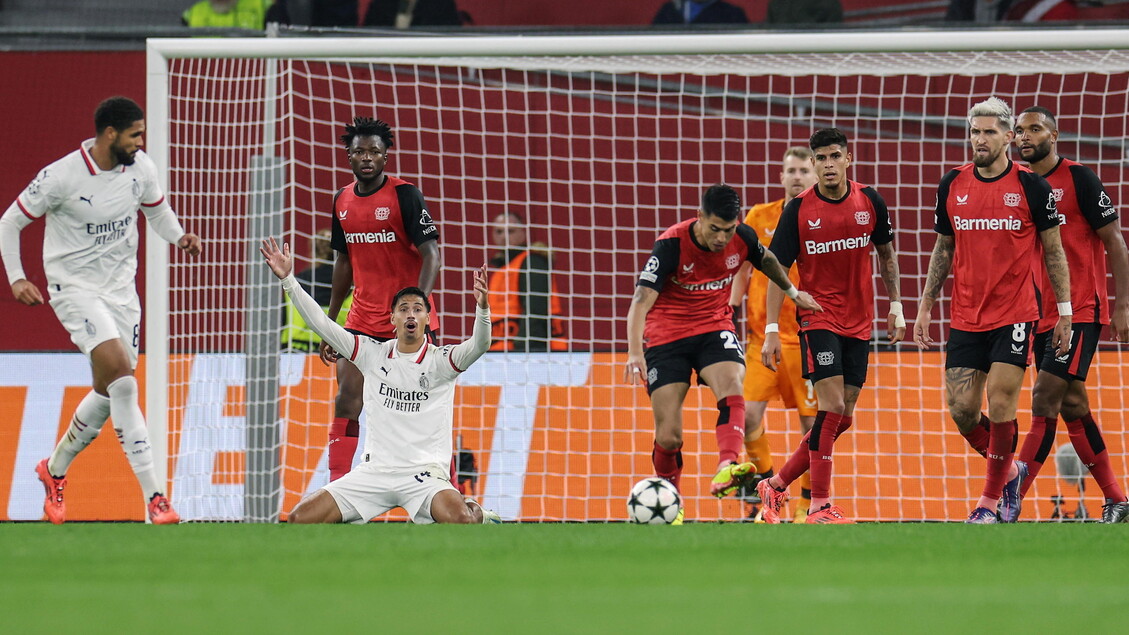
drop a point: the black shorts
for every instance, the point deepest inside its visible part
(672, 362)
(1009, 344)
(826, 354)
(1076, 363)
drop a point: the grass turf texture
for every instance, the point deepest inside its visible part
(570, 578)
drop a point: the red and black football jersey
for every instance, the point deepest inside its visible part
(693, 282)
(380, 232)
(994, 224)
(830, 242)
(1084, 207)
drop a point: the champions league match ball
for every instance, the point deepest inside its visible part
(653, 501)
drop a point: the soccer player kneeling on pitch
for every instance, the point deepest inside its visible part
(409, 402)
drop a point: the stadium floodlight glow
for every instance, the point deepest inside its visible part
(600, 142)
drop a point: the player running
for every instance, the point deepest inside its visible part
(409, 401)
(828, 232)
(89, 200)
(680, 312)
(993, 208)
(1090, 231)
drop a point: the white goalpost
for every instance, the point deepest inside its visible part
(600, 142)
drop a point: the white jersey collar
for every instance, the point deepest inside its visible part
(418, 360)
(84, 150)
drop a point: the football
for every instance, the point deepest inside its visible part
(653, 501)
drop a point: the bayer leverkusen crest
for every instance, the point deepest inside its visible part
(382, 213)
(862, 217)
(732, 261)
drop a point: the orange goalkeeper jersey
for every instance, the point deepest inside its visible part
(763, 218)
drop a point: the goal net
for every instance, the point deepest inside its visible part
(600, 142)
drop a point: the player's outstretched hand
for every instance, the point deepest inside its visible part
(27, 292)
(1060, 339)
(280, 262)
(895, 326)
(481, 289)
(327, 354)
(921, 330)
(770, 352)
(636, 370)
(805, 301)
(1119, 323)
(189, 244)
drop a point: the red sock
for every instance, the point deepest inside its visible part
(820, 445)
(844, 423)
(730, 428)
(343, 435)
(1036, 446)
(800, 460)
(978, 436)
(1001, 452)
(668, 464)
(1087, 440)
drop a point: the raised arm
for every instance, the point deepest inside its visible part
(891, 278)
(281, 263)
(467, 352)
(940, 263)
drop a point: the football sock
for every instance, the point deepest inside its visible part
(820, 446)
(668, 464)
(759, 453)
(343, 434)
(799, 462)
(979, 435)
(1087, 440)
(86, 423)
(129, 424)
(1001, 451)
(1036, 447)
(845, 422)
(730, 428)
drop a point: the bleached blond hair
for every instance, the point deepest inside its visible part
(993, 107)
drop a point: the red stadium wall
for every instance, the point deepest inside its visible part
(50, 109)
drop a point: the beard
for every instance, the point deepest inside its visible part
(1038, 153)
(985, 161)
(123, 157)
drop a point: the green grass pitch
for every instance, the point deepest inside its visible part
(563, 578)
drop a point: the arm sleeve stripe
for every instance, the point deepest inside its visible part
(24, 210)
(356, 348)
(159, 201)
(452, 362)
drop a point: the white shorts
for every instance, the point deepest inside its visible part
(365, 493)
(93, 318)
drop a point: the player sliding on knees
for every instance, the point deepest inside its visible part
(409, 404)
(681, 311)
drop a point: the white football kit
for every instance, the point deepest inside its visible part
(90, 241)
(409, 408)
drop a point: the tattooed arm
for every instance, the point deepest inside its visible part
(1055, 260)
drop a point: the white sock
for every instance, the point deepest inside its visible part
(86, 423)
(129, 423)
